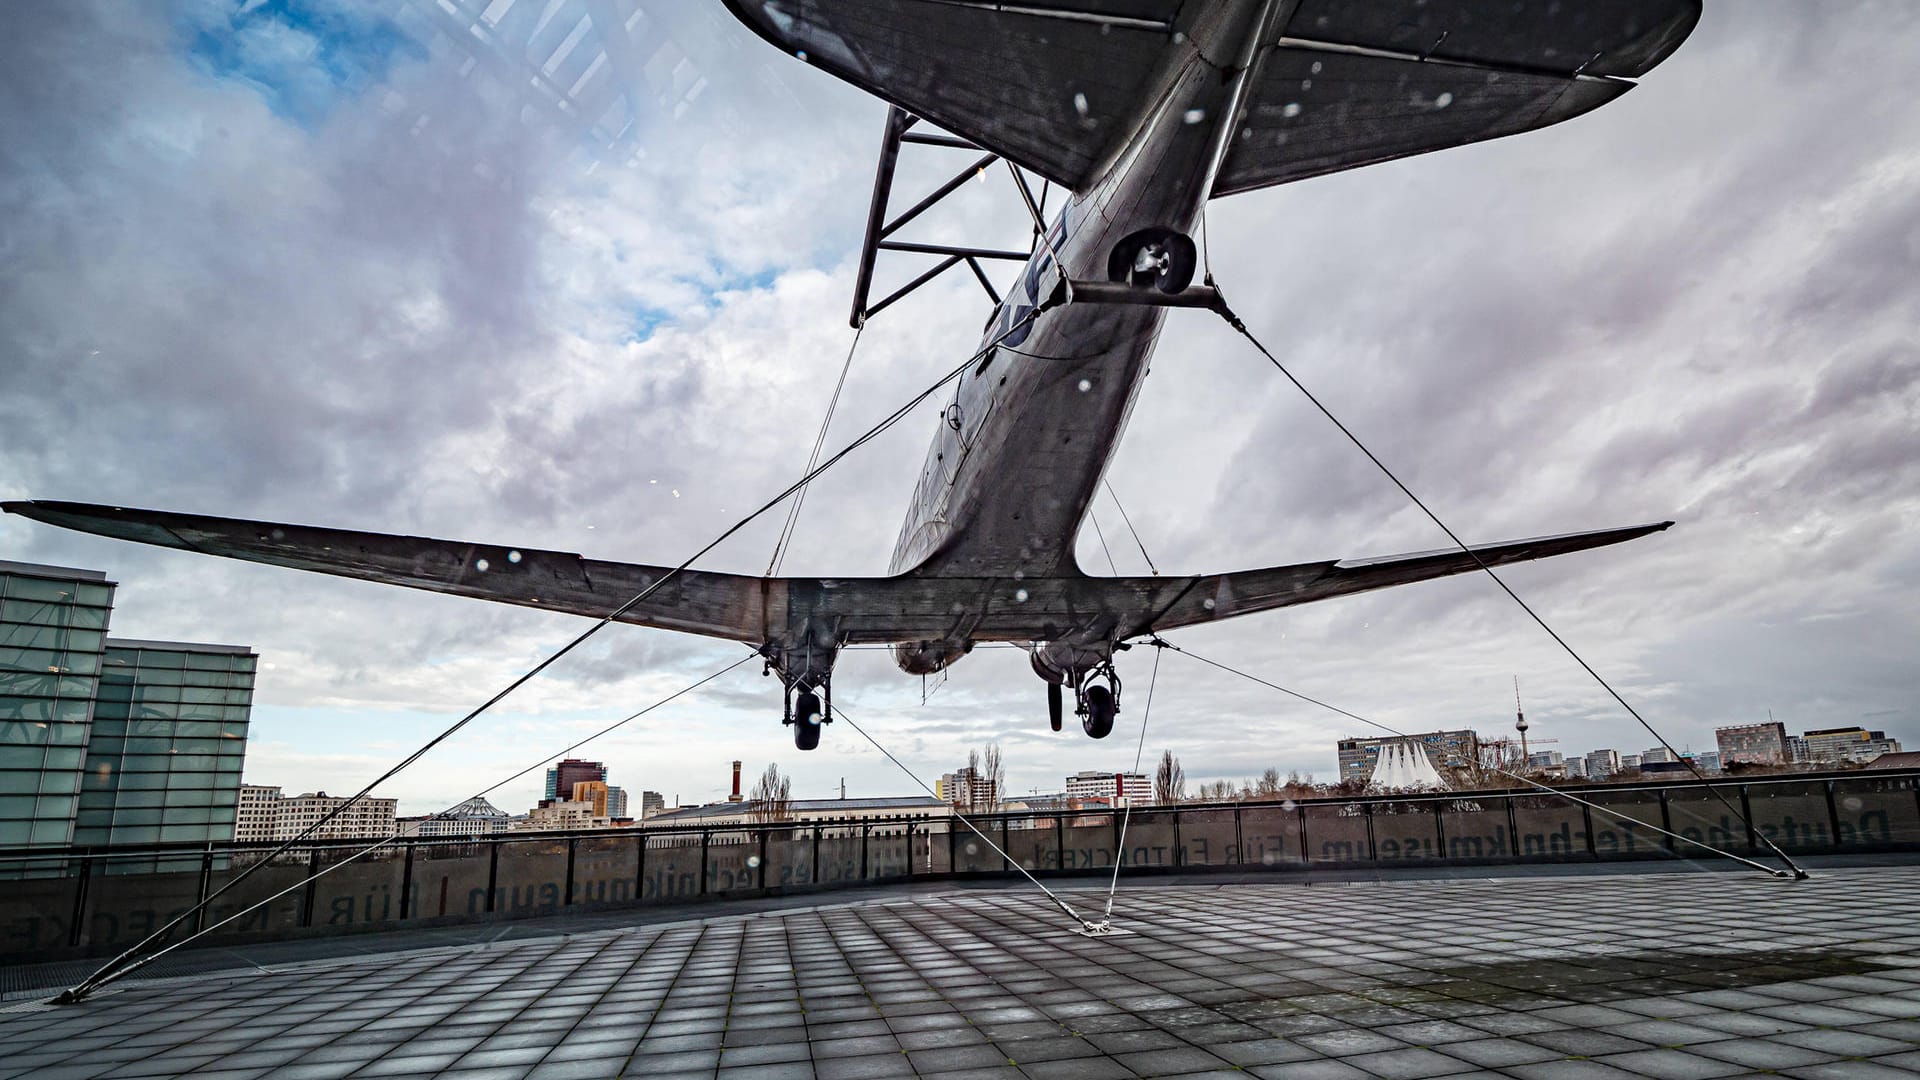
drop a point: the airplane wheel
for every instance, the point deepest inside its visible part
(1100, 710)
(806, 720)
(1168, 267)
(1055, 709)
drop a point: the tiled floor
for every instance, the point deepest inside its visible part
(1680, 976)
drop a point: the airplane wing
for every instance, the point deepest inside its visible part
(1355, 84)
(717, 605)
(1223, 596)
(1052, 85)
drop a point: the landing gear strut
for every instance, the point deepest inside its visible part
(1055, 707)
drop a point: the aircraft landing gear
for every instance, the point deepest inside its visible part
(1099, 704)
(806, 712)
(1056, 708)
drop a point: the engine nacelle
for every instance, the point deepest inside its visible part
(928, 657)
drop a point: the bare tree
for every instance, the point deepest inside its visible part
(1169, 780)
(992, 776)
(1269, 786)
(772, 796)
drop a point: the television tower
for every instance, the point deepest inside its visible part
(1520, 722)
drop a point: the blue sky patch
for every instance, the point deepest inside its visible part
(304, 58)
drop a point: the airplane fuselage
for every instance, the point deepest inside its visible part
(1030, 429)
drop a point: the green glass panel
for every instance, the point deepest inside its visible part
(19, 781)
(51, 832)
(26, 588)
(73, 734)
(17, 806)
(83, 663)
(141, 781)
(22, 733)
(160, 658)
(54, 806)
(97, 595)
(15, 832)
(136, 834)
(64, 757)
(60, 783)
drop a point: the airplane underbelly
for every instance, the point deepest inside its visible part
(1018, 481)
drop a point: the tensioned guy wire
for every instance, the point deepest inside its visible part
(1769, 871)
(826, 421)
(107, 971)
(1234, 320)
(1121, 855)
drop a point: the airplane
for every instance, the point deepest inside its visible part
(1142, 110)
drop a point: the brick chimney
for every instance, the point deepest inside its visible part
(735, 797)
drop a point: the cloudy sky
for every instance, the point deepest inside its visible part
(333, 265)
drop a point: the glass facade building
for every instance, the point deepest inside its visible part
(110, 741)
(169, 738)
(53, 628)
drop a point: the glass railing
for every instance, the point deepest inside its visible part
(64, 902)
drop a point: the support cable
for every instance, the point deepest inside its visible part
(108, 971)
(826, 421)
(840, 713)
(1234, 320)
(391, 840)
(1111, 566)
(1136, 533)
(1120, 855)
(1768, 870)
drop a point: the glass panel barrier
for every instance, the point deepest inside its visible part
(137, 900)
(789, 856)
(1620, 823)
(1698, 814)
(1206, 838)
(532, 873)
(1877, 810)
(1034, 842)
(449, 879)
(1087, 841)
(840, 854)
(1406, 831)
(363, 892)
(971, 853)
(934, 841)
(1148, 838)
(36, 912)
(1792, 813)
(1477, 827)
(605, 869)
(733, 861)
(672, 869)
(1336, 832)
(1270, 834)
(888, 855)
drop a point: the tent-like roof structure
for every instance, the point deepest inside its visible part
(475, 807)
(1404, 766)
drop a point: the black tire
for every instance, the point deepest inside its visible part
(1182, 260)
(806, 721)
(1056, 709)
(1100, 710)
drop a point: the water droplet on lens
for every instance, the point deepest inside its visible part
(481, 566)
(1315, 68)
(1080, 104)
(513, 556)
(676, 493)
(1179, 38)
(1291, 110)
(1266, 857)
(1207, 603)
(1194, 116)
(1288, 805)
(1020, 595)
(1086, 385)
(801, 53)
(1443, 101)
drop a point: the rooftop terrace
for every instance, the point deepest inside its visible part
(1603, 973)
